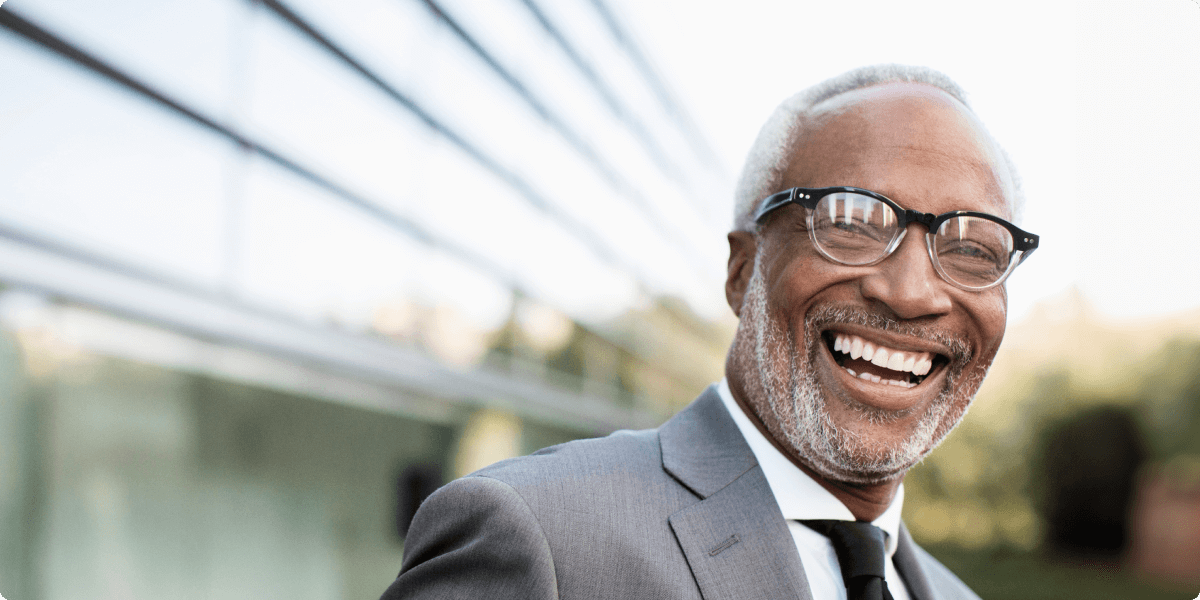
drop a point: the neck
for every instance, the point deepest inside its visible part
(865, 501)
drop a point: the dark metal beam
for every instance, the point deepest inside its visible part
(665, 97)
(51, 42)
(618, 109)
(526, 191)
(572, 137)
(36, 34)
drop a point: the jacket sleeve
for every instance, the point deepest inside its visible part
(475, 538)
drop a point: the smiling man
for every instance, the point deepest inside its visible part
(867, 264)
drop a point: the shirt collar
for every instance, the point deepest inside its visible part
(798, 495)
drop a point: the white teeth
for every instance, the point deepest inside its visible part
(922, 366)
(917, 363)
(880, 380)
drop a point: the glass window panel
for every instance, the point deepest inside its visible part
(306, 253)
(475, 102)
(585, 28)
(310, 107)
(191, 50)
(481, 213)
(523, 47)
(85, 162)
(512, 35)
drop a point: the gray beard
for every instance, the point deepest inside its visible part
(790, 393)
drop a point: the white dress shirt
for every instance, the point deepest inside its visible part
(801, 498)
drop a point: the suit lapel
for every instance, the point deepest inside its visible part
(910, 569)
(735, 539)
(738, 545)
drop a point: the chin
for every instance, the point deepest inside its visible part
(849, 455)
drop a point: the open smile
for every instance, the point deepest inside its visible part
(875, 362)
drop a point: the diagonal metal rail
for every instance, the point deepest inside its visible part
(524, 189)
(556, 123)
(49, 41)
(665, 97)
(619, 110)
(356, 369)
(572, 137)
(42, 37)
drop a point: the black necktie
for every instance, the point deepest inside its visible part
(859, 548)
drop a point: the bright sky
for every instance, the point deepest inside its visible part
(1096, 101)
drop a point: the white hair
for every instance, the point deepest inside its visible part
(768, 158)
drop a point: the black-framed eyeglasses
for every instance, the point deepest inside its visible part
(852, 226)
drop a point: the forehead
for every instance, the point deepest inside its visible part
(911, 142)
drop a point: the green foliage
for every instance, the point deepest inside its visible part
(981, 488)
(1171, 388)
(1003, 575)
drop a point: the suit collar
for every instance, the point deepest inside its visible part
(738, 545)
(702, 447)
(734, 539)
(798, 494)
(909, 567)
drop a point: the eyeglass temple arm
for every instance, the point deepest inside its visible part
(773, 202)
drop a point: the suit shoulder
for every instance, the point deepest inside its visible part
(621, 454)
(943, 580)
(474, 535)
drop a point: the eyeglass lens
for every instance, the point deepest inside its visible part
(856, 229)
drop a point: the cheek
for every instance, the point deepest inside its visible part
(989, 310)
(806, 276)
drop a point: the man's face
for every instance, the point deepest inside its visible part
(917, 146)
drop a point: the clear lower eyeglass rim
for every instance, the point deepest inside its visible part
(1014, 259)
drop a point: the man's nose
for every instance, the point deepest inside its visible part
(906, 281)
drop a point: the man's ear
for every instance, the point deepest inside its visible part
(742, 246)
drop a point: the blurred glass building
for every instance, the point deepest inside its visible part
(270, 272)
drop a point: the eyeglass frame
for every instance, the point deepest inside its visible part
(1023, 241)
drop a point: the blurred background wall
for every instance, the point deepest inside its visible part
(270, 272)
(274, 272)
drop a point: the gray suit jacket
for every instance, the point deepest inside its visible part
(682, 511)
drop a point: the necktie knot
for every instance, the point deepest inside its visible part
(860, 552)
